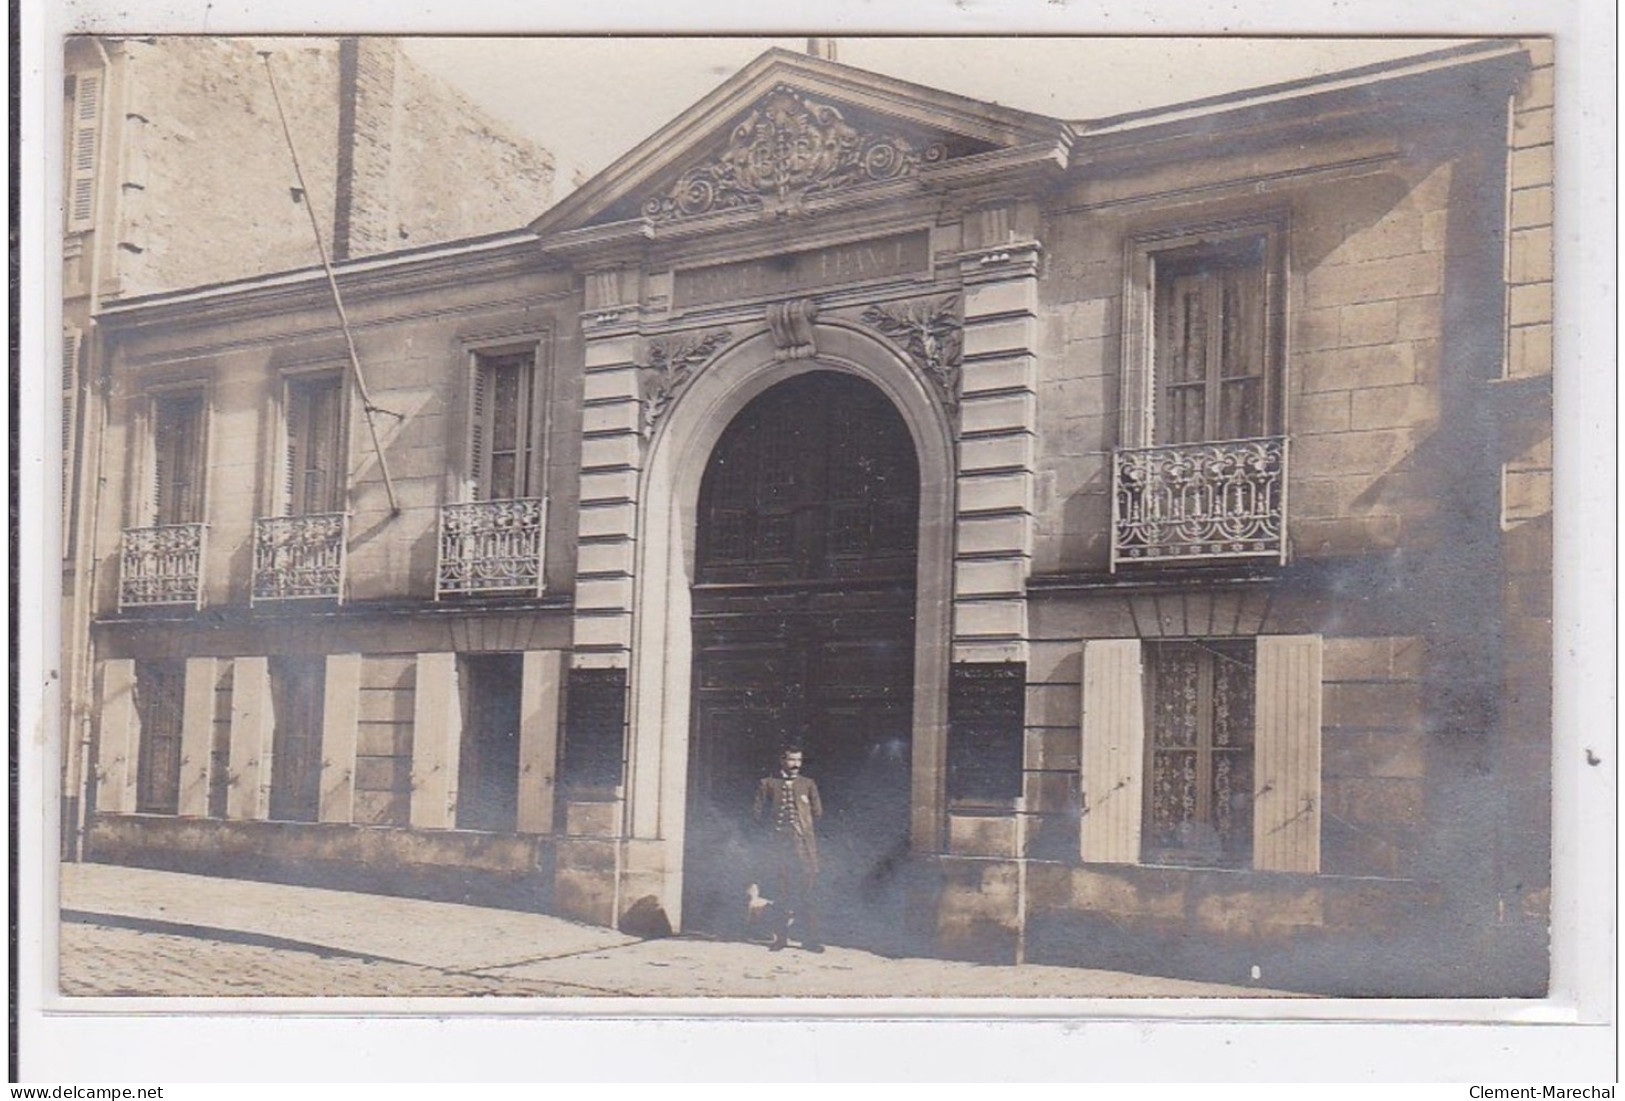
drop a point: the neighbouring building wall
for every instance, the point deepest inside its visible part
(454, 172)
(392, 158)
(204, 173)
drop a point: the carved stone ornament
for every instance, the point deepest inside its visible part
(670, 365)
(787, 148)
(932, 334)
(791, 324)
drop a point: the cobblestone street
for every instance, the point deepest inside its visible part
(130, 932)
(104, 960)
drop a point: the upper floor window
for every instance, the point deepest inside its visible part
(502, 433)
(161, 553)
(177, 466)
(1209, 363)
(317, 461)
(1203, 334)
(1199, 473)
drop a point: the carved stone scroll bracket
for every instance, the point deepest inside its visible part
(791, 324)
(670, 363)
(932, 333)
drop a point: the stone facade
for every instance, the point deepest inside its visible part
(1238, 696)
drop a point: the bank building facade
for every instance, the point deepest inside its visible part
(1143, 524)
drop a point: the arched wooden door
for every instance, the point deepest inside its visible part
(804, 605)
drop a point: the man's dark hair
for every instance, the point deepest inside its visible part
(792, 747)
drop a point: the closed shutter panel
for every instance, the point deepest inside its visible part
(293, 453)
(82, 155)
(70, 398)
(1113, 751)
(478, 431)
(1286, 778)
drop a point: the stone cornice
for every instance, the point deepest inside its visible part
(363, 281)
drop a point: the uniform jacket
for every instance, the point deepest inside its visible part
(790, 820)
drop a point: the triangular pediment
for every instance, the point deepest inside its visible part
(785, 129)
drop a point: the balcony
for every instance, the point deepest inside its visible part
(491, 547)
(1200, 502)
(161, 567)
(299, 557)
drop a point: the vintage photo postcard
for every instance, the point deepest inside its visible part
(834, 533)
(615, 520)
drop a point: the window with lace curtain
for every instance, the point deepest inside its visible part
(1199, 752)
(1202, 752)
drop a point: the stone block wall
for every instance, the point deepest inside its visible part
(457, 172)
(383, 763)
(1362, 377)
(392, 158)
(1374, 753)
(205, 194)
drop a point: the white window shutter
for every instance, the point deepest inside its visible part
(479, 432)
(1286, 776)
(86, 119)
(1113, 760)
(70, 399)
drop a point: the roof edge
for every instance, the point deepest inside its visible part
(1467, 54)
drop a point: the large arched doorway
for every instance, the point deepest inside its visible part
(804, 625)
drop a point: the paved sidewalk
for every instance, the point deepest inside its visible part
(131, 931)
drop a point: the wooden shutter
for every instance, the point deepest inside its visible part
(478, 431)
(1286, 777)
(1113, 751)
(118, 739)
(293, 453)
(85, 117)
(70, 412)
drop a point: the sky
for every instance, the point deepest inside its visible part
(589, 100)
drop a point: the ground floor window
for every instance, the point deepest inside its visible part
(488, 771)
(1202, 752)
(1199, 750)
(160, 691)
(297, 687)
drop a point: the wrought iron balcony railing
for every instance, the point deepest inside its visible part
(300, 557)
(1199, 502)
(491, 547)
(161, 566)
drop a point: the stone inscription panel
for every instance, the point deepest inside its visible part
(986, 714)
(794, 272)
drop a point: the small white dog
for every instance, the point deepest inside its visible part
(762, 917)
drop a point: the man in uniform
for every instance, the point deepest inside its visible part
(787, 808)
